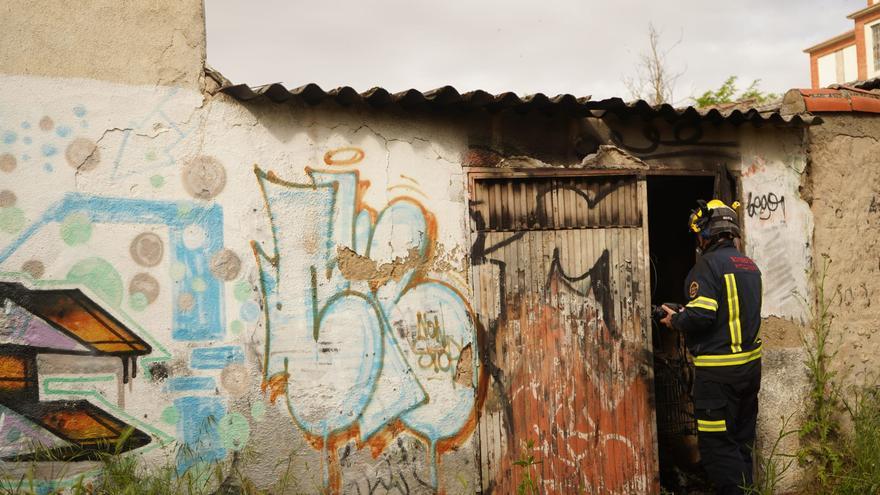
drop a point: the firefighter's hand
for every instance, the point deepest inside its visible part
(667, 320)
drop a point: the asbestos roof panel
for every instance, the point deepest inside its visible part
(867, 84)
(734, 115)
(448, 97)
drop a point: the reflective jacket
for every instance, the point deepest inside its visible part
(722, 318)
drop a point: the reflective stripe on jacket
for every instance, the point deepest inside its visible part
(722, 318)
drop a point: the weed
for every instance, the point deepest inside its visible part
(819, 431)
(773, 466)
(860, 471)
(526, 461)
(842, 461)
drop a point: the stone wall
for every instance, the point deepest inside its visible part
(845, 184)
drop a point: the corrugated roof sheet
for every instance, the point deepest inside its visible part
(735, 115)
(447, 97)
(867, 84)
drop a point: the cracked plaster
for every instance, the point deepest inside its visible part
(164, 46)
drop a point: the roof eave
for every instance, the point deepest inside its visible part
(863, 12)
(449, 97)
(840, 37)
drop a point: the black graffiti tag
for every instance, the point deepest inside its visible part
(764, 205)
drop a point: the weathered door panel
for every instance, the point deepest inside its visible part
(560, 290)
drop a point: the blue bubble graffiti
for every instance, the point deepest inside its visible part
(352, 337)
(200, 321)
(203, 321)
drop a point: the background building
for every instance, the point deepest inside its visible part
(850, 56)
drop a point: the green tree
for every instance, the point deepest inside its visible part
(727, 93)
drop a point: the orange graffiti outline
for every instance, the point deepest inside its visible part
(357, 155)
(277, 384)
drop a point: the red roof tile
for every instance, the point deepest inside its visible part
(840, 99)
(865, 104)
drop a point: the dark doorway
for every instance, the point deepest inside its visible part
(672, 254)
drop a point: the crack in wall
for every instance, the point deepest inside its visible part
(387, 140)
(82, 165)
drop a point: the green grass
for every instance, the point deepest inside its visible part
(128, 474)
(840, 461)
(860, 449)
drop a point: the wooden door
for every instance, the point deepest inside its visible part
(560, 290)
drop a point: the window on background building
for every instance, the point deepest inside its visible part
(875, 35)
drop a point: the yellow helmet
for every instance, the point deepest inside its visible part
(713, 218)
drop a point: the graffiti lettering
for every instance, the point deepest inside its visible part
(765, 205)
(436, 350)
(599, 277)
(397, 472)
(62, 322)
(685, 134)
(194, 233)
(332, 288)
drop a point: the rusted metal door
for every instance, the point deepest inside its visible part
(560, 285)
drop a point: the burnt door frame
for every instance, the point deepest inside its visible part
(475, 174)
(727, 187)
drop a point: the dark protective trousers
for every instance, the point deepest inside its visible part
(726, 415)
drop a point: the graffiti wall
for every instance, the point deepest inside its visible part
(778, 222)
(566, 339)
(200, 280)
(192, 279)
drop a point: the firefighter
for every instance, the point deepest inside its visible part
(721, 322)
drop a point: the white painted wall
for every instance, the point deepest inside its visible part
(778, 223)
(827, 70)
(95, 175)
(164, 162)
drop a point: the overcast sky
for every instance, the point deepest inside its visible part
(581, 47)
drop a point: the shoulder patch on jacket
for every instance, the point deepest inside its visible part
(743, 263)
(694, 289)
